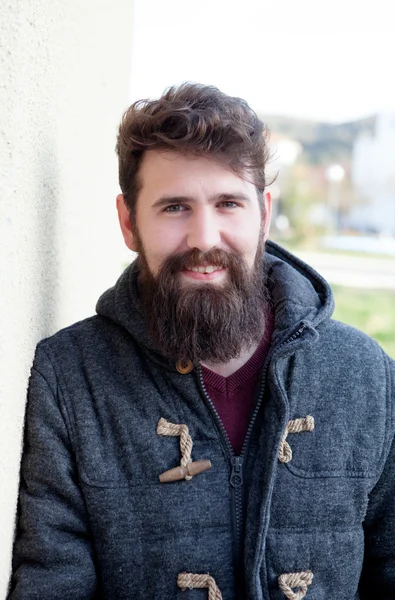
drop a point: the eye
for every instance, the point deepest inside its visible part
(228, 204)
(174, 208)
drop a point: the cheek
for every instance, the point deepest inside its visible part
(249, 236)
(165, 241)
(158, 245)
(253, 246)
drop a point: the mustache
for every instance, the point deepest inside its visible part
(196, 258)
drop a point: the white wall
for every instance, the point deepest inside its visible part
(64, 82)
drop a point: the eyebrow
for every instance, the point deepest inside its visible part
(225, 197)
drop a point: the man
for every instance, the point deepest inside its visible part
(211, 430)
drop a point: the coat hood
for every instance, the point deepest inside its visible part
(299, 295)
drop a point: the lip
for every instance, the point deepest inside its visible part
(204, 276)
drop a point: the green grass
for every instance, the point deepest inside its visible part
(372, 311)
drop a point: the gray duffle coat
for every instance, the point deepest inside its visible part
(306, 510)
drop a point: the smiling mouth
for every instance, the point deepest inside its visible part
(205, 269)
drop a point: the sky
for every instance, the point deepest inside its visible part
(315, 59)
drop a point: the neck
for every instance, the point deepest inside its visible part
(233, 365)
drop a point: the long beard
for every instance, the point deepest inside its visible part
(204, 323)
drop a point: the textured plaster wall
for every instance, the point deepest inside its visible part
(64, 81)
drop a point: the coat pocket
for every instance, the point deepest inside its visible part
(333, 557)
(335, 448)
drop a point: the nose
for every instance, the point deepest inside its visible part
(203, 232)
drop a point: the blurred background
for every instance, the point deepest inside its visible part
(319, 75)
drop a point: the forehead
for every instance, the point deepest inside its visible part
(166, 172)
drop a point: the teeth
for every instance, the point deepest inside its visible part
(208, 269)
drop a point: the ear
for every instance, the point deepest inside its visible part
(268, 214)
(124, 222)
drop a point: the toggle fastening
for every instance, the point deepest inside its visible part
(295, 426)
(300, 581)
(178, 473)
(196, 581)
(187, 469)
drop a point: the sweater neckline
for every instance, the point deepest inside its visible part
(249, 369)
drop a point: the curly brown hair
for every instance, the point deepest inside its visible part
(193, 119)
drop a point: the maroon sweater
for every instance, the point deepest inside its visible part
(234, 396)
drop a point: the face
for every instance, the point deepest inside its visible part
(199, 233)
(190, 203)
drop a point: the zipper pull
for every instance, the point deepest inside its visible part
(236, 477)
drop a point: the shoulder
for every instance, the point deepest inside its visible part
(90, 341)
(348, 363)
(80, 333)
(348, 343)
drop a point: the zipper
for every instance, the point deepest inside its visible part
(258, 403)
(238, 462)
(293, 336)
(236, 476)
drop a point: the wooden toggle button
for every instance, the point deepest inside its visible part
(178, 473)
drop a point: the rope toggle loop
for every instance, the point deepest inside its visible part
(300, 580)
(187, 468)
(193, 581)
(295, 426)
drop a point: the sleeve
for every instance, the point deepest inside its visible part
(53, 555)
(378, 574)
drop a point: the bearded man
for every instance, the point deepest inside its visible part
(211, 431)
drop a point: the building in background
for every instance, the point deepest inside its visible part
(284, 153)
(373, 176)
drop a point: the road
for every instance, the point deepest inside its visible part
(353, 271)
